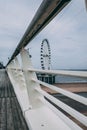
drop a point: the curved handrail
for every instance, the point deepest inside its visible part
(46, 12)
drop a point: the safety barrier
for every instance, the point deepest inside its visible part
(35, 107)
(38, 112)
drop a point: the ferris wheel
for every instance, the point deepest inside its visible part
(45, 55)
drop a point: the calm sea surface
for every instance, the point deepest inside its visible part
(69, 79)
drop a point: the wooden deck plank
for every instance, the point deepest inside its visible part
(11, 117)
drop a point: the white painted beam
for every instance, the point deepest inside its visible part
(61, 72)
(57, 72)
(81, 118)
(66, 119)
(71, 95)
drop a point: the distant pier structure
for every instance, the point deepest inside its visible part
(46, 78)
(45, 58)
(1, 65)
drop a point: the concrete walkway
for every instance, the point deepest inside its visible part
(11, 117)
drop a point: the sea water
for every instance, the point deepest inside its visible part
(69, 79)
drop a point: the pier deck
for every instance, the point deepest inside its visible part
(11, 117)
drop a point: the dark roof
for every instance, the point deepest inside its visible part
(11, 117)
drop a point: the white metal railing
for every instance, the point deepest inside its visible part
(71, 95)
(74, 96)
(69, 122)
(62, 72)
(57, 72)
(80, 117)
(35, 107)
(31, 96)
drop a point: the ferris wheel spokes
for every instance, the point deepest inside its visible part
(45, 55)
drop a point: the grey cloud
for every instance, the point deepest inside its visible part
(67, 33)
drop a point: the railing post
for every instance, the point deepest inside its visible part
(33, 94)
(9, 70)
(17, 78)
(16, 63)
(19, 74)
(11, 64)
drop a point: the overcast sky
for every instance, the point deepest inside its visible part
(67, 33)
